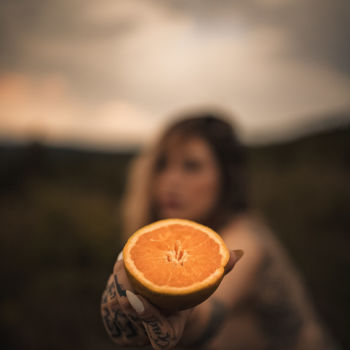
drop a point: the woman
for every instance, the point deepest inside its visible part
(197, 172)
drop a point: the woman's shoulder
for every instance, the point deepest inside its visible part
(246, 232)
(241, 233)
(240, 285)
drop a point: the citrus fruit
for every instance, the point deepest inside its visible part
(175, 263)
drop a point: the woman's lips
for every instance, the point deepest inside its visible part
(171, 204)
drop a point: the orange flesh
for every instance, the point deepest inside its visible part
(176, 255)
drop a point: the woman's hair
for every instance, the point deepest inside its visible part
(229, 153)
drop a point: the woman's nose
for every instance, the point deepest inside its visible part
(172, 177)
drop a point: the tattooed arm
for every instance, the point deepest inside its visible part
(131, 320)
(121, 322)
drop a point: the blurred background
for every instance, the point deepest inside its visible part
(84, 85)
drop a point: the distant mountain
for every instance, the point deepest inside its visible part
(322, 124)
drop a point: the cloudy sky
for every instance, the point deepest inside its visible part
(113, 72)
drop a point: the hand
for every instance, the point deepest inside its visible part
(131, 320)
(120, 319)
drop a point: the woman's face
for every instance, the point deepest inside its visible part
(187, 180)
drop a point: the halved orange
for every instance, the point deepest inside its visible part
(175, 263)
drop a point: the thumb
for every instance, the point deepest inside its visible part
(235, 255)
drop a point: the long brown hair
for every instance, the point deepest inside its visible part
(214, 129)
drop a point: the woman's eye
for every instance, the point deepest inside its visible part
(160, 164)
(192, 165)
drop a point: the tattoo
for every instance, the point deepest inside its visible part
(156, 333)
(120, 288)
(104, 299)
(118, 325)
(218, 314)
(279, 319)
(110, 292)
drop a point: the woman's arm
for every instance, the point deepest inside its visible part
(120, 321)
(131, 320)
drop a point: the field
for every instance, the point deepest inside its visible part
(60, 224)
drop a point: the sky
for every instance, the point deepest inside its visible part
(113, 73)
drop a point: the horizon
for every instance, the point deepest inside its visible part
(333, 123)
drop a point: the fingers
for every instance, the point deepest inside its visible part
(123, 285)
(235, 255)
(163, 332)
(120, 319)
(120, 328)
(121, 279)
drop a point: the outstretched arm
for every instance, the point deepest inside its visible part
(131, 320)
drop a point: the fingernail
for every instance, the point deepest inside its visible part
(238, 254)
(135, 302)
(120, 256)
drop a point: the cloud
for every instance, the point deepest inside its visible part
(80, 65)
(251, 71)
(318, 30)
(33, 108)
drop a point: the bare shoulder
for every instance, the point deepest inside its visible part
(240, 283)
(244, 233)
